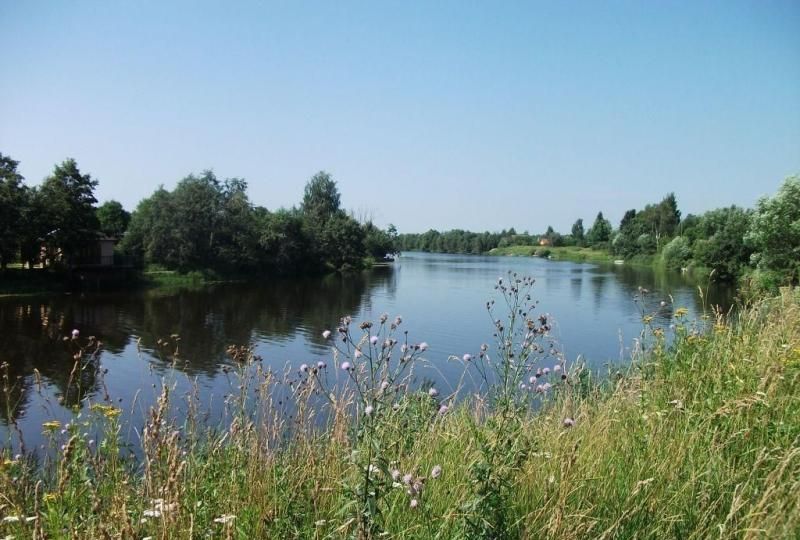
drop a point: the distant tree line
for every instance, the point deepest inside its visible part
(204, 223)
(763, 243)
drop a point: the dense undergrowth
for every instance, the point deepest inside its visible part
(698, 438)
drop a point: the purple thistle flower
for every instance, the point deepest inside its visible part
(75, 334)
(433, 392)
(374, 340)
(569, 422)
(408, 479)
(347, 366)
(357, 353)
(467, 357)
(304, 368)
(423, 346)
(321, 365)
(545, 371)
(436, 472)
(557, 368)
(414, 503)
(443, 409)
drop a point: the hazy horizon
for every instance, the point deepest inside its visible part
(443, 116)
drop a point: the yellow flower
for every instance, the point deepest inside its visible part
(681, 311)
(50, 497)
(647, 319)
(106, 410)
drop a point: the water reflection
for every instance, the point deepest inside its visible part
(442, 299)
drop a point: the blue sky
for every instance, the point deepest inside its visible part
(475, 115)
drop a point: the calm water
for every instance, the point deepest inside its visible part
(441, 298)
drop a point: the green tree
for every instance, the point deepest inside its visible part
(12, 203)
(721, 245)
(676, 253)
(600, 233)
(113, 218)
(321, 199)
(68, 203)
(775, 232)
(578, 234)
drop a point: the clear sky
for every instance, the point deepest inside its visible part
(475, 115)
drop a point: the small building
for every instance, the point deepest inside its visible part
(97, 253)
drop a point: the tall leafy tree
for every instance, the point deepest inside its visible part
(578, 234)
(600, 231)
(775, 232)
(113, 218)
(321, 199)
(68, 200)
(12, 199)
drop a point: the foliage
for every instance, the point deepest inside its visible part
(68, 202)
(677, 253)
(600, 232)
(578, 235)
(775, 232)
(721, 246)
(113, 218)
(12, 196)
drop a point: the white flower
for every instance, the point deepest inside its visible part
(368, 410)
(569, 422)
(304, 368)
(436, 472)
(467, 357)
(374, 340)
(326, 334)
(414, 503)
(423, 346)
(76, 333)
(395, 475)
(225, 519)
(433, 392)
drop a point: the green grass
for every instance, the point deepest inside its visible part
(696, 440)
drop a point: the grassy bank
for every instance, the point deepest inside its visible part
(695, 440)
(570, 253)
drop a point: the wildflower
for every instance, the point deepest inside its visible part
(414, 503)
(423, 346)
(408, 479)
(384, 385)
(384, 316)
(569, 422)
(557, 368)
(467, 357)
(484, 347)
(681, 311)
(374, 340)
(321, 365)
(545, 371)
(304, 368)
(152, 513)
(522, 386)
(369, 409)
(532, 379)
(326, 334)
(398, 320)
(436, 472)
(433, 392)
(443, 409)
(403, 348)
(347, 366)
(357, 353)
(76, 333)
(395, 475)
(225, 519)
(663, 303)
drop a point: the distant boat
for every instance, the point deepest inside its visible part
(619, 261)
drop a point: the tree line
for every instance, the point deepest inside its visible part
(763, 242)
(204, 223)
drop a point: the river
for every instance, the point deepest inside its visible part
(442, 300)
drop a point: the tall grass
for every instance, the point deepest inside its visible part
(698, 438)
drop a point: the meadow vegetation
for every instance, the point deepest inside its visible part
(699, 437)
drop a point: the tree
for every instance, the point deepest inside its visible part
(321, 199)
(676, 253)
(113, 218)
(775, 232)
(578, 234)
(721, 245)
(12, 199)
(68, 200)
(600, 232)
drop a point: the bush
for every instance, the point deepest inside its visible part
(677, 253)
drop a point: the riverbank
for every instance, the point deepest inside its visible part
(694, 440)
(570, 253)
